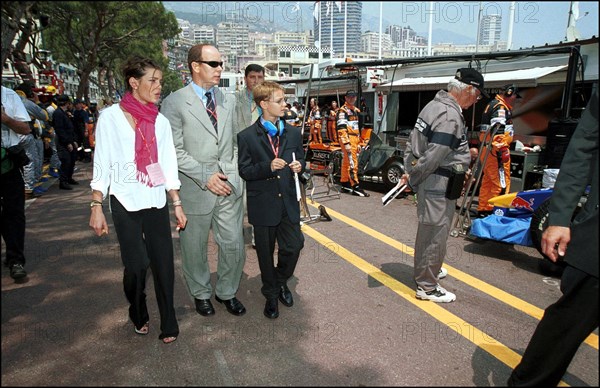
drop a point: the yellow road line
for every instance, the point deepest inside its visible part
(468, 331)
(472, 281)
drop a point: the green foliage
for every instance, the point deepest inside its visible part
(103, 34)
(18, 23)
(171, 82)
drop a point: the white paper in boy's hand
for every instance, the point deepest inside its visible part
(296, 181)
(393, 193)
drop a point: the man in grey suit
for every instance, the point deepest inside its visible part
(202, 119)
(569, 321)
(246, 110)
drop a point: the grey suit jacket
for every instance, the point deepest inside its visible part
(243, 114)
(200, 150)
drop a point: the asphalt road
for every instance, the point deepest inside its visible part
(355, 321)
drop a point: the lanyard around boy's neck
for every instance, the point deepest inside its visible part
(274, 144)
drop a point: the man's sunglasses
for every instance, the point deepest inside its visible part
(214, 64)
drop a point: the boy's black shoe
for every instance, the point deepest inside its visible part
(17, 271)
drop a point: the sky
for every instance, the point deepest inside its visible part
(536, 23)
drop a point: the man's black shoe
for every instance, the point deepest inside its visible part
(233, 305)
(346, 186)
(64, 186)
(271, 309)
(358, 191)
(204, 307)
(285, 296)
(72, 182)
(17, 271)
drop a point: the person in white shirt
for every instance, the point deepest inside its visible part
(15, 126)
(135, 164)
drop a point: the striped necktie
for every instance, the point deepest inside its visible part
(211, 110)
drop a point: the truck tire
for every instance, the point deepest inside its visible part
(391, 174)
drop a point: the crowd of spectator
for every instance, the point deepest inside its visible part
(62, 133)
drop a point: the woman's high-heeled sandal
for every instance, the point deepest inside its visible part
(142, 330)
(168, 340)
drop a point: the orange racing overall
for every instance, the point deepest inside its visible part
(496, 171)
(315, 122)
(331, 125)
(349, 134)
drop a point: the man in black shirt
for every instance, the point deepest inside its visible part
(66, 142)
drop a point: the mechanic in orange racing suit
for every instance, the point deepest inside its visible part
(496, 171)
(315, 122)
(332, 123)
(349, 138)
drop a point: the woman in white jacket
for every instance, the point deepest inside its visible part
(135, 165)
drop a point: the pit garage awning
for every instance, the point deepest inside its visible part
(322, 87)
(525, 78)
(332, 88)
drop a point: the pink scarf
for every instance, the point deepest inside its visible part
(146, 151)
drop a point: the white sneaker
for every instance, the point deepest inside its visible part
(439, 295)
(443, 273)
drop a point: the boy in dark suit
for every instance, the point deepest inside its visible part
(270, 155)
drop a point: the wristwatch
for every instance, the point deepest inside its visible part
(95, 203)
